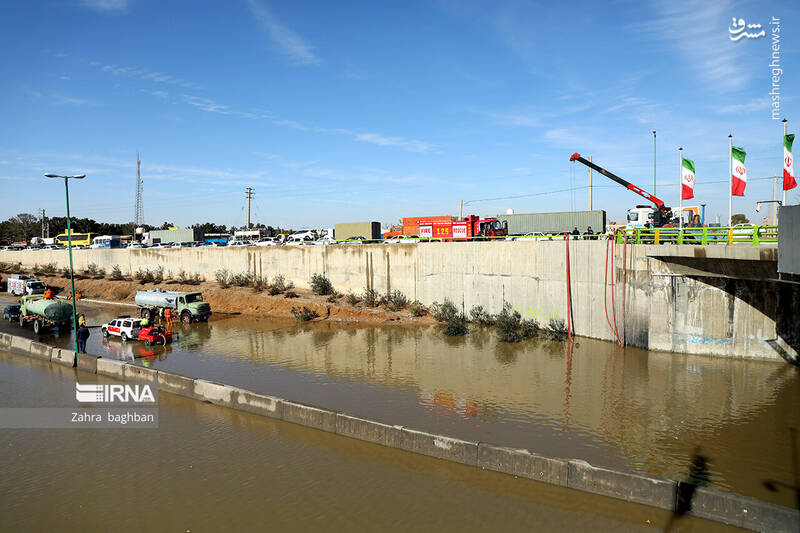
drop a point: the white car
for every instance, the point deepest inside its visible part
(240, 243)
(135, 245)
(124, 327)
(269, 241)
(299, 241)
(402, 239)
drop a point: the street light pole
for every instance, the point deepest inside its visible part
(69, 249)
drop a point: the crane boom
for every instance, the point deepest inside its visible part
(630, 186)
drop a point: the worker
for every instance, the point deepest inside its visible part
(83, 336)
(48, 294)
(160, 315)
(575, 231)
(168, 316)
(589, 232)
(145, 322)
(81, 320)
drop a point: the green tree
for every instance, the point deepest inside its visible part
(739, 218)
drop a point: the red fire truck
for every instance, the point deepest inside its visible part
(471, 227)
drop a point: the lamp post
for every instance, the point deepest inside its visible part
(758, 206)
(69, 248)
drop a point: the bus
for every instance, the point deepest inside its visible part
(78, 239)
(106, 241)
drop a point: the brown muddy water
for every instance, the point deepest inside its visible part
(208, 468)
(632, 410)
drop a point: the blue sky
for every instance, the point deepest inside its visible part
(350, 111)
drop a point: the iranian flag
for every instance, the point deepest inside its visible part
(687, 179)
(788, 163)
(739, 171)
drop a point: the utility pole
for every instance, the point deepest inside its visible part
(590, 184)
(138, 210)
(249, 193)
(45, 224)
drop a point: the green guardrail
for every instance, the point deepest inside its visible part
(753, 235)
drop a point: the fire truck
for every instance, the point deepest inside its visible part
(471, 227)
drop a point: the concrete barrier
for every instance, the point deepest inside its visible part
(624, 486)
(522, 463)
(40, 351)
(312, 417)
(5, 340)
(20, 345)
(139, 373)
(456, 450)
(88, 362)
(176, 384)
(62, 356)
(701, 502)
(368, 430)
(111, 368)
(258, 404)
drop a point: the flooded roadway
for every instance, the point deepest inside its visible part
(633, 410)
(208, 468)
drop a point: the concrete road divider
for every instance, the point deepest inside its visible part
(111, 368)
(624, 486)
(176, 384)
(460, 451)
(62, 356)
(522, 463)
(258, 404)
(215, 393)
(20, 345)
(40, 351)
(305, 415)
(139, 373)
(5, 340)
(359, 428)
(738, 510)
(88, 362)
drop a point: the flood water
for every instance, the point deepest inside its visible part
(633, 410)
(208, 468)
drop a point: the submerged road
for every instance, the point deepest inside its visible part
(208, 468)
(632, 410)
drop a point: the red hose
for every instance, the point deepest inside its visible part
(605, 289)
(569, 296)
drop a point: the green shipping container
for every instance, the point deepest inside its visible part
(563, 222)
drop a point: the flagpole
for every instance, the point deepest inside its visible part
(680, 189)
(783, 141)
(730, 179)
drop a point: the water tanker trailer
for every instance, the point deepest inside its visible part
(189, 306)
(45, 312)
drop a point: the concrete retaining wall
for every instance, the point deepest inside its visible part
(656, 309)
(706, 503)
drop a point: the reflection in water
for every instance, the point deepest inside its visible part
(622, 408)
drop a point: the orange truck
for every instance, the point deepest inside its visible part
(455, 230)
(411, 225)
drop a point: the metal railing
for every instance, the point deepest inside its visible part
(753, 235)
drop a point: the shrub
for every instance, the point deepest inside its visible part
(259, 283)
(304, 313)
(116, 272)
(290, 294)
(556, 330)
(50, 268)
(243, 279)
(335, 295)
(94, 271)
(279, 285)
(352, 299)
(371, 298)
(445, 311)
(396, 300)
(512, 328)
(321, 285)
(456, 325)
(480, 316)
(223, 277)
(37, 269)
(64, 272)
(417, 309)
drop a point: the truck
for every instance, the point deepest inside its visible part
(640, 216)
(44, 312)
(410, 225)
(470, 227)
(22, 284)
(189, 306)
(106, 241)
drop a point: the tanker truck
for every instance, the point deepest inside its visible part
(45, 312)
(189, 306)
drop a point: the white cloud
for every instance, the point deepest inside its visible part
(61, 99)
(145, 75)
(106, 6)
(698, 31)
(206, 104)
(407, 144)
(757, 104)
(289, 42)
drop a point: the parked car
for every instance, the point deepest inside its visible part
(136, 245)
(355, 239)
(124, 327)
(11, 312)
(402, 239)
(269, 241)
(240, 243)
(299, 241)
